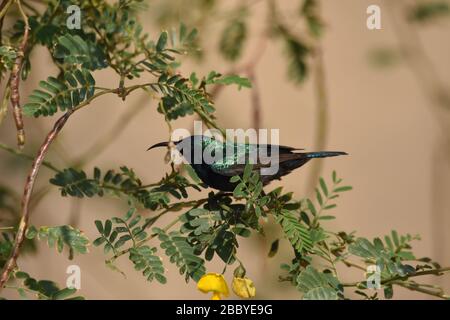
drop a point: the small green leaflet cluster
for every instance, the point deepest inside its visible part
(317, 285)
(250, 188)
(6, 245)
(43, 289)
(309, 10)
(179, 98)
(297, 233)
(424, 12)
(60, 237)
(76, 183)
(130, 231)
(233, 37)
(181, 254)
(7, 56)
(387, 256)
(117, 232)
(151, 265)
(213, 229)
(76, 87)
(74, 50)
(160, 58)
(323, 196)
(217, 78)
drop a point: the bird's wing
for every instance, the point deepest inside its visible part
(262, 162)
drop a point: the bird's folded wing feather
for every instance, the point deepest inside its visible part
(234, 169)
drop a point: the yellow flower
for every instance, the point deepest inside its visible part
(215, 283)
(243, 287)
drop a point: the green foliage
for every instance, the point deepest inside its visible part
(181, 254)
(76, 87)
(216, 78)
(60, 237)
(7, 56)
(250, 188)
(73, 50)
(180, 99)
(429, 10)
(6, 245)
(309, 10)
(117, 232)
(297, 233)
(112, 37)
(387, 256)
(42, 289)
(233, 37)
(76, 183)
(317, 285)
(144, 259)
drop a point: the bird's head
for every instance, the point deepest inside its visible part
(185, 146)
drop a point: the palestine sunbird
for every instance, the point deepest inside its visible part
(228, 159)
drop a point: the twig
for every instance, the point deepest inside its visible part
(29, 185)
(256, 101)
(31, 179)
(418, 288)
(15, 79)
(397, 278)
(4, 6)
(27, 156)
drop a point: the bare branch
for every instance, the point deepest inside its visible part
(15, 79)
(28, 190)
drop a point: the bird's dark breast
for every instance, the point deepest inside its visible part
(213, 179)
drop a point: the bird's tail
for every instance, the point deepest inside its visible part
(324, 154)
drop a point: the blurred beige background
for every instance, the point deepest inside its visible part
(381, 117)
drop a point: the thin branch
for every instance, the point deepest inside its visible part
(14, 80)
(26, 156)
(256, 101)
(29, 185)
(4, 6)
(418, 288)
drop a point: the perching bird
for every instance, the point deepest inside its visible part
(215, 167)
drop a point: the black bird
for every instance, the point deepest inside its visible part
(217, 170)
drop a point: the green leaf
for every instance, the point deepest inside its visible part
(77, 87)
(323, 186)
(63, 294)
(162, 41)
(429, 10)
(295, 231)
(145, 260)
(182, 254)
(342, 189)
(64, 235)
(233, 37)
(74, 50)
(241, 82)
(235, 179)
(316, 285)
(311, 207)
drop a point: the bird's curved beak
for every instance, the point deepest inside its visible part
(161, 144)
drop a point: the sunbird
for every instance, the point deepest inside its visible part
(215, 162)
